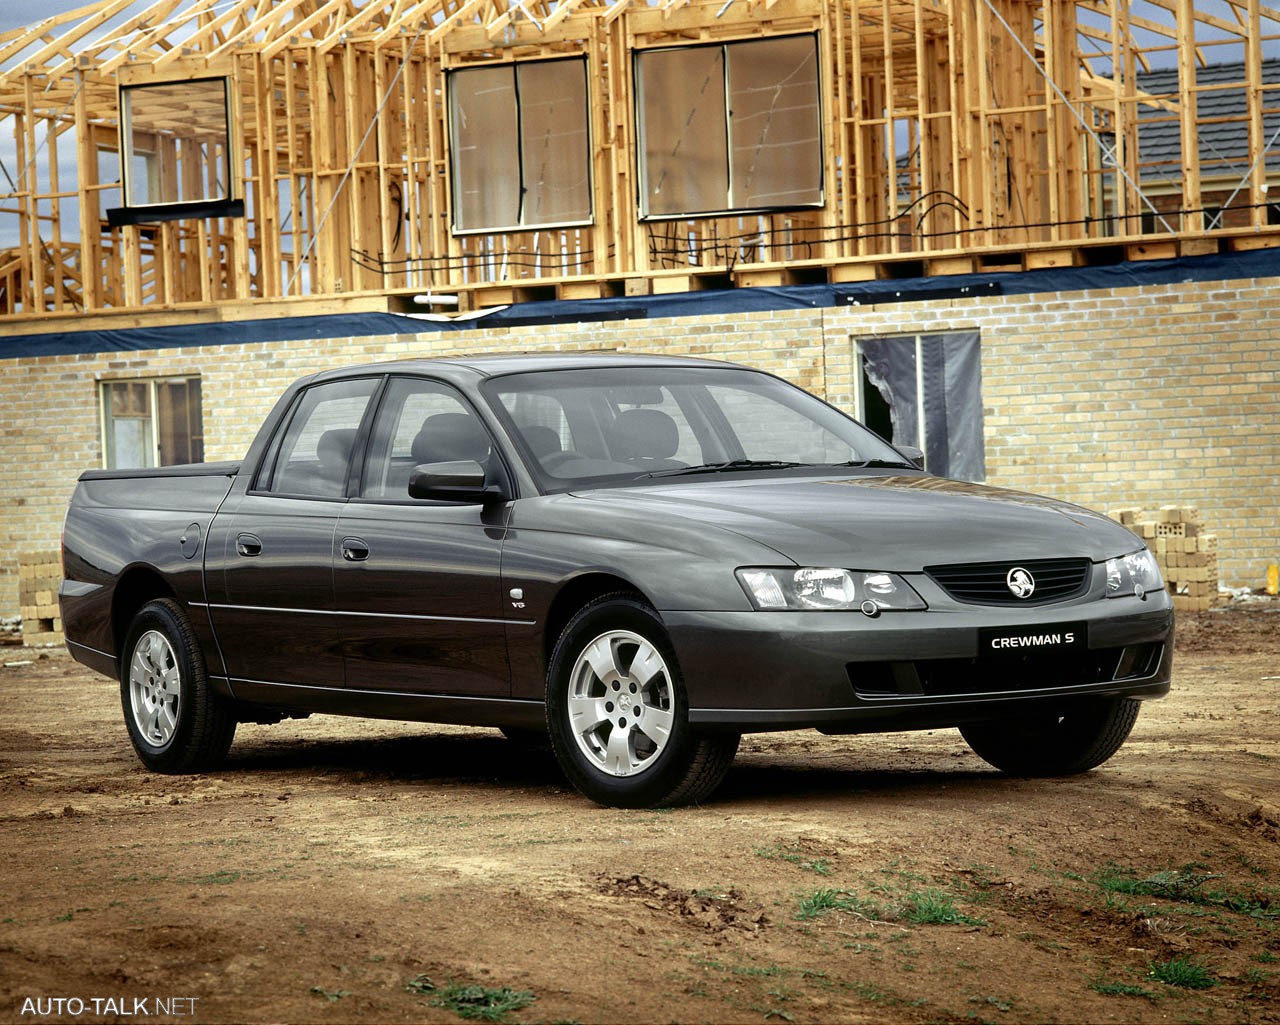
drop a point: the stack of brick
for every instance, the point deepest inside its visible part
(39, 574)
(1188, 556)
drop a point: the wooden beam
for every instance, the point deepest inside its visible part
(370, 12)
(1190, 136)
(293, 34)
(61, 45)
(275, 14)
(16, 40)
(157, 34)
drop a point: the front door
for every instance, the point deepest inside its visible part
(417, 582)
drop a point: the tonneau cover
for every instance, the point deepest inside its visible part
(228, 469)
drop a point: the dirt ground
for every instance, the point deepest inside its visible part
(348, 870)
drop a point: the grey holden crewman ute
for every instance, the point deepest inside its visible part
(641, 557)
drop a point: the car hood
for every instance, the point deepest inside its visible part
(901, 523)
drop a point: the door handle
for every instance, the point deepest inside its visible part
(248, 545)
(354, 550)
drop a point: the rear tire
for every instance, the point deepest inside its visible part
(175, 720)
(618, 715)
(1054, 744)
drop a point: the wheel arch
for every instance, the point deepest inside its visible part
(137, 586)
(576, 593)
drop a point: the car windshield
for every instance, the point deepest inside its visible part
(610, 425)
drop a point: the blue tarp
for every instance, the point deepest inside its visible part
(1259, 264)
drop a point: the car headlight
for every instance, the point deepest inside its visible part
(1134, 574)
(826, 588)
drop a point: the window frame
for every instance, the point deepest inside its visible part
(642, 168)
(452, 138)
(265, 472)
(106, 419)
(229, 204)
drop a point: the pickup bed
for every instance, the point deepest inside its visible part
(636, 558)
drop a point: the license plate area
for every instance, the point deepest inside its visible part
(1005, 643)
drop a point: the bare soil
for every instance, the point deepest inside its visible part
(348, 870)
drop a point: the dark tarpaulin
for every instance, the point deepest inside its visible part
(1262, 263)
(947, 369)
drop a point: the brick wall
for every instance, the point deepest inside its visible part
(1147, 396)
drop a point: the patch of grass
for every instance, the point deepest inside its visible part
(760, 971)
(1182, 972)
(1186, 885)
(1176, 884)
(1266, 957)
(821, 902)
(223, 877)
(922, 907)
(871, 992)
(482, 1003)
(1247, 862)
(818, 866)
(754, 971)
(1121, 989)
(895, 869)
(332, 995)
(933, 907)
(420, 983)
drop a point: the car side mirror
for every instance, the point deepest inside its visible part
(916, 455)
(460, 481)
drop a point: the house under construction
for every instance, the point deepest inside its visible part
(204, 151)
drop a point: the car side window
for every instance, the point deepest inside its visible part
(419, 422)
(312, 455)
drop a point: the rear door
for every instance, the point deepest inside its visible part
(270, 562)
(417, 581)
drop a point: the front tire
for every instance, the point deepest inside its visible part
(1054, 743)
(618, 715)
(175, 720)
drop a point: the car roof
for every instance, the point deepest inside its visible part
(517, 363)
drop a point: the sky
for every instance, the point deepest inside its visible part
(15, 13)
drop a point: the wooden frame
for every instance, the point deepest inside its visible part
(959, 136)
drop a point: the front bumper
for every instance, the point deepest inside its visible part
(844, 672)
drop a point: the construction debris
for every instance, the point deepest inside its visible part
(1188, 556)
(39, 574)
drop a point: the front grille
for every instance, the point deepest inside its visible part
(944, 677)
(986, 583)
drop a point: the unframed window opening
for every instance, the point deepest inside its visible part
(926, 391)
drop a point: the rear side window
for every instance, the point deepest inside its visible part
(312, 455)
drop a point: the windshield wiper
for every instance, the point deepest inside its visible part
(726, 467)
(879, 464)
